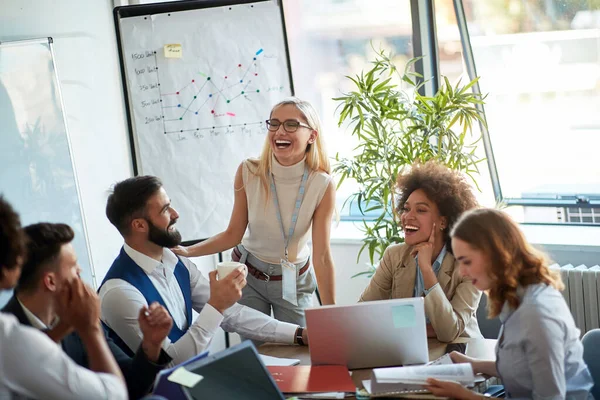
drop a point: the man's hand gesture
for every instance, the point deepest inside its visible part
(155, 324)
(78, 306)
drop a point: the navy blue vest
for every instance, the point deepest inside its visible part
(126, 269)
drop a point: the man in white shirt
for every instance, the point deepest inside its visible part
(51, 262)
(32, 365)
(146, 271)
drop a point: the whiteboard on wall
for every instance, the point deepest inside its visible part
(201, 78)
(37, 174)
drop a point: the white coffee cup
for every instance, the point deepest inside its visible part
(227, 267)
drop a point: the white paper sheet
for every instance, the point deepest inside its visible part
(270, 361)
(461, 373)
(197, 117)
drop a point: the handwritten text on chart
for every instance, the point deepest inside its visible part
(173, 51)
(148, 103)
(144, 54)
(142, 71)
(149, 120)
(212, 94)
(145, 87)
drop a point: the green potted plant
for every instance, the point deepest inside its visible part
(396, 127)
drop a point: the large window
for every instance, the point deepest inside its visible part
(329, 39)
(539, 62)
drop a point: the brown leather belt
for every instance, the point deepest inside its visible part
(236, 256)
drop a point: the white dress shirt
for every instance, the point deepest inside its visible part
(121, 303)
(33, 319)
(33, 366)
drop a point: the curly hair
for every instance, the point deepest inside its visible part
(513, 261)
(12, 237)
(447, 188)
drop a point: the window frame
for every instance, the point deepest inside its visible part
(559, 200)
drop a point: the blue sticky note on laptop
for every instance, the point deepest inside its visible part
(404, 316)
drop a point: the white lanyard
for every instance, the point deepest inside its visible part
(286, 240)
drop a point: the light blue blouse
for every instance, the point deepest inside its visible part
(437, 265)
(539, 354)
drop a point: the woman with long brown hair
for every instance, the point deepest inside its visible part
(432, 198)
(539, 354)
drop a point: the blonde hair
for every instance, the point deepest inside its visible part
(316, 154)
(513, 261)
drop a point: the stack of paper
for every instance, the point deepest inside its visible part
(397, 380)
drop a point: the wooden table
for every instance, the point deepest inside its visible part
(477, 348)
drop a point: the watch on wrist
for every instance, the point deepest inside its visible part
(299, 332)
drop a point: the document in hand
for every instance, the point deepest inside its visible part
(412, 379)
(313, 379)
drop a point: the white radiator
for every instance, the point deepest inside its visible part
(582, 294)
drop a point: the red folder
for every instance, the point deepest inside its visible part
(313, 379)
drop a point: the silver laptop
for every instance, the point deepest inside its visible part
(368, 335)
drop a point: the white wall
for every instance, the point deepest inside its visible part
(87, 63)
(344, 253)
(88, 66)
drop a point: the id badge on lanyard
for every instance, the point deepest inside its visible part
(288, 281)
(288, 269)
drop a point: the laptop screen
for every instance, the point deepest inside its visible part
(236, 373)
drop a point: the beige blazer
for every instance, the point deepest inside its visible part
(450, 306)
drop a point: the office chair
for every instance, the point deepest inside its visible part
(591, 356)
(490, 328)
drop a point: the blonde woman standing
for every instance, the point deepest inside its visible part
(279, 198)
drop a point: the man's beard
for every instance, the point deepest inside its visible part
(163, 238)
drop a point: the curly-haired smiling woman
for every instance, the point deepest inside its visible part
(432, 197)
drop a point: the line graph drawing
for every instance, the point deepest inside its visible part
(211, 101)
(195, 115)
